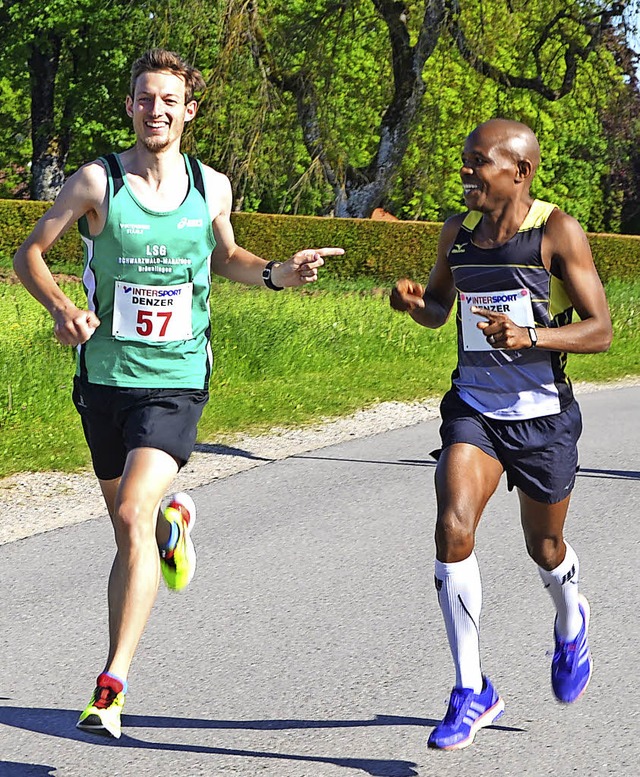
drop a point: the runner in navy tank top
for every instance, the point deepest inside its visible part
(515, 270)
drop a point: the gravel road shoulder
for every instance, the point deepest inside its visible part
(35, 502)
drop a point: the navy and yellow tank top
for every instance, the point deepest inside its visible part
(511, 385)
(147, 277)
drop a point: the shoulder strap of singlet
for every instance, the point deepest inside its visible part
(536, 217)
(471, 220)
(198, 178)
(114, 171)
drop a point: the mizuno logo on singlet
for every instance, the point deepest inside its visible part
(458, 248)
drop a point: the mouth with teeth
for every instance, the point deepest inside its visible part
(156, 125)
(470, 187)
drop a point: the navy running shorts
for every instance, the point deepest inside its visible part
(539, 455)
(117, 420)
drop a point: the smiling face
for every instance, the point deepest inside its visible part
(158, 110)
(498, 162)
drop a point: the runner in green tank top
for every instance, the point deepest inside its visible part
(155, 225)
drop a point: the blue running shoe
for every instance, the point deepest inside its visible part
(572, 665)
(467, 713)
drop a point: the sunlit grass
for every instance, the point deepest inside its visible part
(280, 359)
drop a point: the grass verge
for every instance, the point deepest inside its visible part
(281, 359)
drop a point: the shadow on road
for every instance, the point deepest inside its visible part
(14, 769)
(227, 450)
(61, 723)
(397, 463)
(613, 474)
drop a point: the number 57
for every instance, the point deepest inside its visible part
(145, 322)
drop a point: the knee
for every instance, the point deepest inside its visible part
(132, 525)
(455, 537)
(547, 551)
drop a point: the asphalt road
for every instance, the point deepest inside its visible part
(310, 643)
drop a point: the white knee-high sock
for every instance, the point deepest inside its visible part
(562, 585)
(460, 597)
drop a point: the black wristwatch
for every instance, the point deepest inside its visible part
(266, 277)
(533, 335)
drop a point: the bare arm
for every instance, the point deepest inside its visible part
(236, 263)
(81, 194)
(566, 243)
(431, 307)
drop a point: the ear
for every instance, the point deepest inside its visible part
(190, 111)
(524, 170)
(128, 106)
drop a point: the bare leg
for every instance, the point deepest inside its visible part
(543, 526)
(558, 565)
(466, 477)
(133, 503)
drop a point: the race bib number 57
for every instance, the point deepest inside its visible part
(153, 314)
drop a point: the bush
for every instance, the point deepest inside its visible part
(381, 249)
(616, 256)
(17, 219)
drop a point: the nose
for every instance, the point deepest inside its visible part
(156, 106)
(466, 169)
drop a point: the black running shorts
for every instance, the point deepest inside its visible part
(539, 455)
(118, 420)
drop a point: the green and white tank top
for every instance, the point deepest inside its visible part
(147, 277)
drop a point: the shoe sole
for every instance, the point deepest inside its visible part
(486, 719)
(586, 609)
(97, 728)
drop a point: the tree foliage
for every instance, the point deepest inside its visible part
(360, 124)
(338, 106)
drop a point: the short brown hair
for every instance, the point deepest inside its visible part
(156, 60)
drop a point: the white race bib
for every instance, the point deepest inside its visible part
(515, 303)
(156, 314)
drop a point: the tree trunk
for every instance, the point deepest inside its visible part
(358, 191)
(50, 147)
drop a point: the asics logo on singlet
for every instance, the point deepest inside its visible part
(458, 248)
(185, 222)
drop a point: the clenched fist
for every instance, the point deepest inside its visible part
(406, 296)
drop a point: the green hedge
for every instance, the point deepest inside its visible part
(616, 256)
(382, 249)
(17, 218)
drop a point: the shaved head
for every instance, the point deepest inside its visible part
(512, 138)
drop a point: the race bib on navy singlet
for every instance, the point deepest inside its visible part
(152, 314)
(515, 303)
